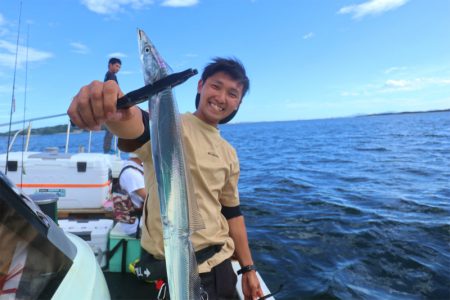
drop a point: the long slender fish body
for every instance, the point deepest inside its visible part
(170, 170)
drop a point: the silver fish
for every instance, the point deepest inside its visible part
(178, 209)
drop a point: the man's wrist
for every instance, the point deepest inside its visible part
(246, 269)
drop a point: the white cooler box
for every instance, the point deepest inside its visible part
(81, 180)
(94, 232)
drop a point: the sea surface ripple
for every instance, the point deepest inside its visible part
(350, 208)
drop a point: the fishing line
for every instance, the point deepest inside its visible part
(14, 87)
(24, 106)
(35, 119)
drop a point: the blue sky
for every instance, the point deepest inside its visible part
(306, 59)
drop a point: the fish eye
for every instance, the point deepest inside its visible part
(147, 49)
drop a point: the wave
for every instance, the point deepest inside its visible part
(372, 149)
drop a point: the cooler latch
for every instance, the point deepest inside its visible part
(12, 165)
(81, 166)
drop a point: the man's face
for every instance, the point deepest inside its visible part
(114, 68)
(220, 95)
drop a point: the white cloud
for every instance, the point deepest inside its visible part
(293, 104)
(5, 89)
(394, 70)
(349, 94)
(79, 48)
(393, 85)
(440, 81)
(117, 54)
(111, 7)
(3, 26)
(107, 7)
(8, 55)
(309, 35)
(398, 85)
(179, 3)
(372, 7)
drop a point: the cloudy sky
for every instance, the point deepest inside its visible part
(306, 59)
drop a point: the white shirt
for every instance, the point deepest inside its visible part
(132, 180)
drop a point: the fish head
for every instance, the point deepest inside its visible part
(153, 65)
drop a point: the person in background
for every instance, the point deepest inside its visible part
(114, 66)
(213, 168)
(131, 181)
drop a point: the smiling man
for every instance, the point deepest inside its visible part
(213, 168)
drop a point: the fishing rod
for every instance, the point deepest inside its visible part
(137, 96)
(132, 98)
(13, 100)
(25, 105)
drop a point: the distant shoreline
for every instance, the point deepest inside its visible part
(48, 130)
(404, 113)
(63, 128)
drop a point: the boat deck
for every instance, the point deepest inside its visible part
(85, 213)
(126, 286)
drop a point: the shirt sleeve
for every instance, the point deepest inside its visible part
(230, 192)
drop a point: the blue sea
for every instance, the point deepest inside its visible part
(348, 208)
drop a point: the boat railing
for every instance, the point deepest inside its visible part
(15, 136)
(68, 132)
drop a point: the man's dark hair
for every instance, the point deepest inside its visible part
(232, 67)
(114, 60)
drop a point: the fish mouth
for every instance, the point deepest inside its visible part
(142, 38)
(140, 33)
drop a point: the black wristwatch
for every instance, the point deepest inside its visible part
(246, 269)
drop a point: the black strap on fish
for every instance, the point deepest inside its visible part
(144, 93)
